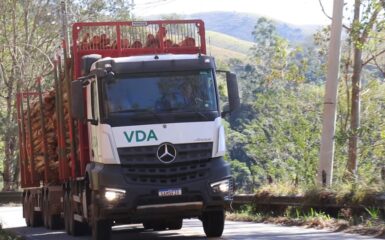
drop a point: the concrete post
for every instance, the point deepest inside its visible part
(325, 170)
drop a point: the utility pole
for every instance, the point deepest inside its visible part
(325, 170)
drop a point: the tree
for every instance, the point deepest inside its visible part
(28, 33)
(275, 132)
(362, 29)
(362, 54)
(100, 10)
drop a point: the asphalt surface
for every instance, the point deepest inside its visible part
(12, 220)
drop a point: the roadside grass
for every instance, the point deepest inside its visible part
(366, 224)
(279, 189)
(359, 193)
(352, 219)
(4, 235)
(291, 217)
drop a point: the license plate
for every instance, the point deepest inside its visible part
(170, 192)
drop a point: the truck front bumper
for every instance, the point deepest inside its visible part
(139, 202)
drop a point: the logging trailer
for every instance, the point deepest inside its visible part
(134, 134)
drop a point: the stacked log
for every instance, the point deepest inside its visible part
(103, 41)
(36, 151)
(188, 42)
(97, 42)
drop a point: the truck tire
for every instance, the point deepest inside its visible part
(213, 223)
(100, 228)
(26, 210)
(75, 228)
(35, 218)
(45, 212)
(175, 224)
(55, 222)
(51, 221)
(66, 213)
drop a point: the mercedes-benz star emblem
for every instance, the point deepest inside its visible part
(166, 153)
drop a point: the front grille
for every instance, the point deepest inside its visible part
(141, 165)
(172, 199)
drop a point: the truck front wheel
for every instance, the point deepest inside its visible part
(213, 223)
(101, 228)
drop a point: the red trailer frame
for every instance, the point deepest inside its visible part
(26, 161)
(121, 39)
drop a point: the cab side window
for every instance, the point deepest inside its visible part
(94, 101)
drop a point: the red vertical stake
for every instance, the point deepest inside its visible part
(31, 158)
(203, 37)
(44, 132)
(21, 147)
(118, 40)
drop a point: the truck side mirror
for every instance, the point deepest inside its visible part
(232, 89)
(77, 106)
(87, 62)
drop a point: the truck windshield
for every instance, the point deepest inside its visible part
(161, 93)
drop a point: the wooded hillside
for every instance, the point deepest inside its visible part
(275, 136)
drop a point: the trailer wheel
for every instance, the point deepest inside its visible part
(213, 223)
(66, 215)
(35, 218)
(45, 212)
(51, 221)
(55, 222)
(26, 210)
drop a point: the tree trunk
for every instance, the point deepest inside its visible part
(9, 145)
(351, 165)
(355, 113)
(9, 162)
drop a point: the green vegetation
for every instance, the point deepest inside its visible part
(274, 138)
(240, 25)
(374, 213)
(369, 222)
(30, 35)
(227, 42)
(225, 54)
(4, 235)
(290, 216)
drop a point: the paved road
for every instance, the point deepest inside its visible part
(11, 219)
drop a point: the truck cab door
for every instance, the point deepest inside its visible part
(93, 119)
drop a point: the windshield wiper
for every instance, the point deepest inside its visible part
(201, 114)
(189, 110)
(140, 110)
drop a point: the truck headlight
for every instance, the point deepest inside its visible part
(114, 194)
(223, 186)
